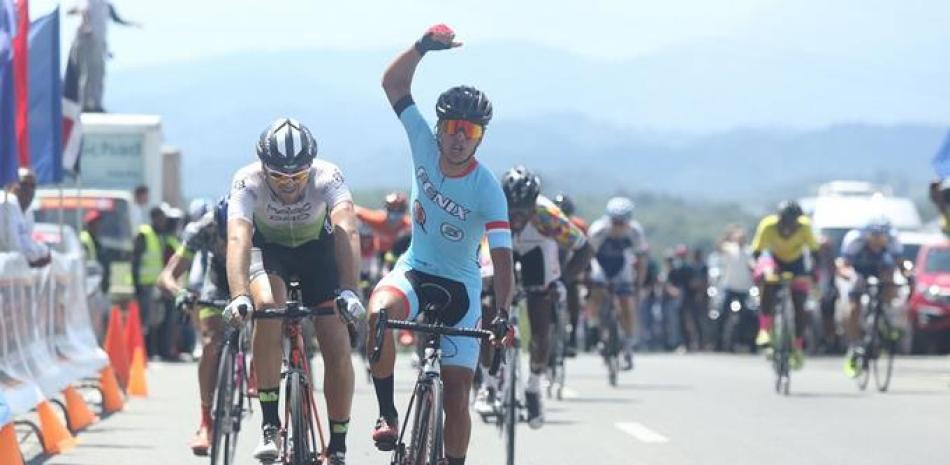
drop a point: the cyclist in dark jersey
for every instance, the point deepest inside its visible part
(204, 238)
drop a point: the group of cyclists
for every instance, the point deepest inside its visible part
(290, 216)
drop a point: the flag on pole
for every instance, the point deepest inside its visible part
(941, 161)
(8, 146)
(46, 100)
(21, 80)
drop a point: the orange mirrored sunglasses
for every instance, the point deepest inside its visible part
(286, 178)
(470, 129)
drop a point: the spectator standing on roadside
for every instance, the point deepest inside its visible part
(90, 49)
(148, 259)
(735, 261)
(139, 208)
(89, 237)
(16, 233)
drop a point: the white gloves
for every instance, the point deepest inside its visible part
(232, 313)
(353, 304)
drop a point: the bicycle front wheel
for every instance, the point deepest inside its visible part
(510, 404)
(434, 443)
(223, 438)
(419, 438)
(298, 447)
(883, 362)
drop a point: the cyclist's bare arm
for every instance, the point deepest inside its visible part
(503, 281)
(578, 261)
(397, 80)
(347, 243)
(641, 268)
(168, 279)
(239, 256)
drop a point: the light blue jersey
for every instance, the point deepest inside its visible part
(450, 214)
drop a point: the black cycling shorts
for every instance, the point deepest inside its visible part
(313, 264)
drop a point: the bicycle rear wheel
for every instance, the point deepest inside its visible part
(298, 445)
(611, 344)
(222, 443)
(883, 362)
(556, 358)
(783, 349)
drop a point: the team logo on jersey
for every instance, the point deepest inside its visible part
(444, 202)
(452, 232)
(419, 215)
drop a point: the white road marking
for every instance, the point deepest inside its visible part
(641, 432)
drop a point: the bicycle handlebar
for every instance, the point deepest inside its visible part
(383, 322)
(289, 312)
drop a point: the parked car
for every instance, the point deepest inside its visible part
(929, 305)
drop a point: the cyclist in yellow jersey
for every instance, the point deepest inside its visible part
(786, 236)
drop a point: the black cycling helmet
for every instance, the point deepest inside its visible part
(221, 216)
(789, 211)
(466, 103)
(565, 204)
(521, 187)
(286, 146)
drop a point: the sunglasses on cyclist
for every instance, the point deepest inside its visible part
(471, 130)
(282, 179)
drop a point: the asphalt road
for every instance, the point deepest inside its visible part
(672, 409)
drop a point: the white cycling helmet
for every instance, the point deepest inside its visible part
(198, 207)
(620, 209)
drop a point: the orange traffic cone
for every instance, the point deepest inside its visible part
(137, 385)
(115, 347)
(133, 331)
(56, 438)
(9, 446)
(77, 411)
(112, 400)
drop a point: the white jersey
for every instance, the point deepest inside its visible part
(614, 254)
(293, 224)
(855, 241)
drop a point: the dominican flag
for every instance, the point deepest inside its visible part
(72, 128)
(8, 145)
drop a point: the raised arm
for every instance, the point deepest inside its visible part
(397, 80)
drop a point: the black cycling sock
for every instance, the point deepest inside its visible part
(338, 431)
(455, 461)
(384, 396)
(269, 401)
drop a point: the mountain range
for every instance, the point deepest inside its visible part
(718, 125)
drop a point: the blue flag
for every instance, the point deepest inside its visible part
(46, 100)
(8, 155)
(941, 161)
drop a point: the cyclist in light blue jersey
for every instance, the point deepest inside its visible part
(455, 202)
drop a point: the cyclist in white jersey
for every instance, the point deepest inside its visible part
(455, 202)
(619, 244)
(292, 216)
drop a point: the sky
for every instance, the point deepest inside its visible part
(176, 30)
(882, 61)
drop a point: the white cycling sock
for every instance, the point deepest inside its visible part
(534, 383)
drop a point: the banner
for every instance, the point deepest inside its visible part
(941, 161)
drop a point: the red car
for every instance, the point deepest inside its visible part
(929, 305)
